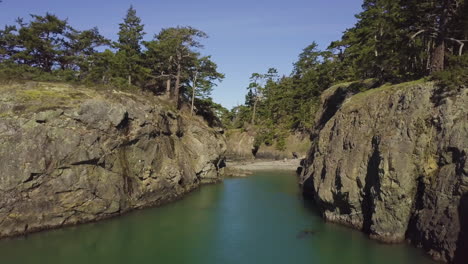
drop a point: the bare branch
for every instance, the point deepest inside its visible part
(417, 33)
(163, 76)
(460, 51)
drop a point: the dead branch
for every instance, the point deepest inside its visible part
(417, 33)
(460, 42)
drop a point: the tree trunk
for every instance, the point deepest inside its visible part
(193, 91)
(429, 54)
(438, 56)
(168, 87)
(254, 110)
(129, 80)
(169, 91)
(177, 86)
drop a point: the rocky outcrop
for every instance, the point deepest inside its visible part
(392, 162)
(295, 147)
(71, 155)
(241, 146)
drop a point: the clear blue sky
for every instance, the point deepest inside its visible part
(246, 36)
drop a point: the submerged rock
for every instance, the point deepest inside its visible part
(392, 162)
(71, 155)
(236, 172)
(305, 233)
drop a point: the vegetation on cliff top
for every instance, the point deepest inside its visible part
(392, 42)
(47, 48)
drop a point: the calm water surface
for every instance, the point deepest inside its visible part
(250, 220)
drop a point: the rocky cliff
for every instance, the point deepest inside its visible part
(70, 155)
(241, 146)
(392, 162)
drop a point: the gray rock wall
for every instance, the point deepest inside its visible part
(392, 162)
(72, 155)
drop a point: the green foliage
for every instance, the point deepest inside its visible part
(203, 76)
(129, 55)
(215, 114)
(44, 34)
(398, 40)
(281, 144)
(240, 116)
(392, 41)
(13, 72)
(288, 103)
(47, 48)
(456, 74)
(264, 136)
(270, 136)
(173, 59)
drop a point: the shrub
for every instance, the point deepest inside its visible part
(455, 76)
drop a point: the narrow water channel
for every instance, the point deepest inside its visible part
(259, 219)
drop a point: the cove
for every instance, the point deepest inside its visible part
(259, 219)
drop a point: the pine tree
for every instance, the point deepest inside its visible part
(8, 43)
(309, 59)
(40, 41)
(256, 89)
(80, 48)
(178, 48)
(129, 48)
(204, 75)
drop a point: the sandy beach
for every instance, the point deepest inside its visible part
(290, 164)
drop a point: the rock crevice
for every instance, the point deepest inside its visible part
(94, 155)
(392, 163)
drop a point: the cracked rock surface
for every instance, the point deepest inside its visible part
(71, 155)
(392, 162)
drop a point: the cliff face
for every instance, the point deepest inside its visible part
(294, 143)
(72, 155)
(392, 162)
(241, 145)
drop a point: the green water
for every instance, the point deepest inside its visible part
(251, 220)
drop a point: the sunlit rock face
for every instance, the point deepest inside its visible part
(392, 162)
(242, 145)
(71, 155)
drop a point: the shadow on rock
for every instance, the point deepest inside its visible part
(461, 255)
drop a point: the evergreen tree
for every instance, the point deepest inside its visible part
(204, 75)
(8, 43)
(256, 89)
(101, 68)
(48, 48)
(129, 46)
(177, 46)
(160, 60)
(39, 42)
(80, 49)
(441, 25)
(309, 59)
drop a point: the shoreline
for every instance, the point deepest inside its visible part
(246, 167)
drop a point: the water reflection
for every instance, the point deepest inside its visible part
(251, 220)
